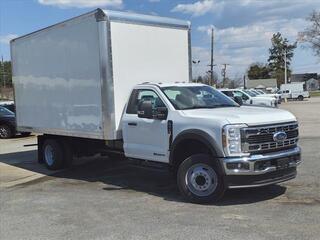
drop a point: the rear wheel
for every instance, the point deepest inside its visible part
(5, 131)
(200, 180)
(300, 98)
(52, 154)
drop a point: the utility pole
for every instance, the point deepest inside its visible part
(285, 67)
(211, 59)
(224, 73)
(244, 82)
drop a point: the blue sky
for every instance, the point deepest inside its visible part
(243, 28)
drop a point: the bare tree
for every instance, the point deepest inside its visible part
(311, 35)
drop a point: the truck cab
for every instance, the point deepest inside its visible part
(210, 141)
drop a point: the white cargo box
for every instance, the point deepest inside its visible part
(74, 78)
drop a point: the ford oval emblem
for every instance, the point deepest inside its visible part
(279, 136)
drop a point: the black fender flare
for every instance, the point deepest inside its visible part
(199, 135)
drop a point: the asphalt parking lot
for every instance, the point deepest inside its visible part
(108, 199)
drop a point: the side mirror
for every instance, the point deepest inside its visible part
(238, 100)
(161, 113)
(145, 109)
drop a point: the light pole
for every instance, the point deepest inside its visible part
(196, 63)
(211, 57)
(285, 67)
(224, 73)
(285, 70)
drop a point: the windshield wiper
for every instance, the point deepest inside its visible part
(210, 107)
(197, 107)
(226, 105)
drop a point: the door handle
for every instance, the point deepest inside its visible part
(132, 124)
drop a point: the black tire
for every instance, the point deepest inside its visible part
(200, 179)
(6, 132)
(300, 98)
(25, 134)
(53, 156)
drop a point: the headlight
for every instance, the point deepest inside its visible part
(231, 140)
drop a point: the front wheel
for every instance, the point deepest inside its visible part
(200, 180)
(300, 98)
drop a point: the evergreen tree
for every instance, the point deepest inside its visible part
(259, 71)
(280, 47)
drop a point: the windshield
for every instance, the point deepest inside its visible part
(193, 97)
(260, 91)
(4, 111)
(256, 92)
(252, 94)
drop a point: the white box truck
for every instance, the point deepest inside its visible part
(294, 91)
(109, 82)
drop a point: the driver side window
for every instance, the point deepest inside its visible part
(139, 95)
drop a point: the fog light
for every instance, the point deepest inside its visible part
(239, 166)
(262, 165)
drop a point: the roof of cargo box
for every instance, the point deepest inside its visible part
(142, 19)
(103, 15)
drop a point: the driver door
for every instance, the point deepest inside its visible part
(145, 138)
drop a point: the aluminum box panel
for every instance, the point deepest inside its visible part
(57, 80)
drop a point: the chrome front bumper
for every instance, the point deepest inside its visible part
(261, 169)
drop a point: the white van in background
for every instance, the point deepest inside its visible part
(294, 91)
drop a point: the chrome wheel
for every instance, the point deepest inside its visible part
(201, 180)
(48, 155)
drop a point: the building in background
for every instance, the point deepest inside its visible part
(269, 84)
(312, 80)
(302, 77)
(312, 84)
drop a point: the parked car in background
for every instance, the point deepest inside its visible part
(231, 95)
(8, 124)
(250, 98)
(8, 105)
(294, 91)
(260, 93)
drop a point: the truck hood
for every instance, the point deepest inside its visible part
(245, 114)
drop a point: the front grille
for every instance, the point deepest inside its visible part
(260, 139)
